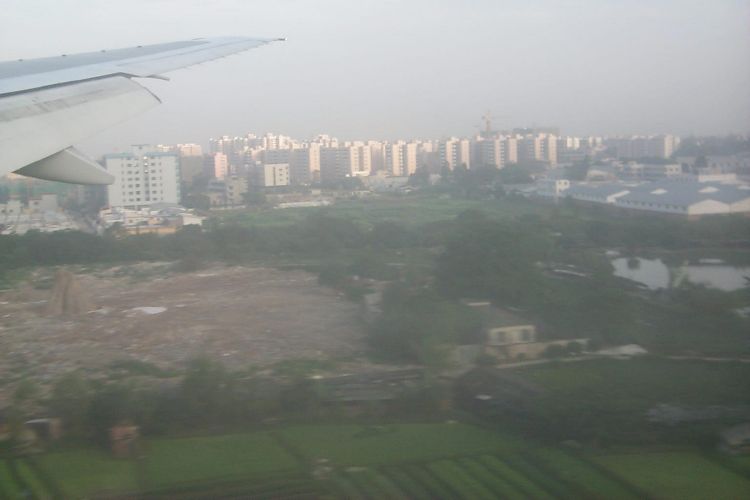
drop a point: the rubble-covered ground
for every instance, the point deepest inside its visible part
(243, 316)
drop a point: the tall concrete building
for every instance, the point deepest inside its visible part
(191, 167)
(271, 175)
(235, 189)
(400, 158)
(339, 163)
(304, 165)
(635, 147)
(538, 148)
(303, 160)
(143, 177)
(221, 166)
(492, 152)
(454, 152)
(189, 150)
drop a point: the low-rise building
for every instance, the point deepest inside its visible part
(552, 188)
(157, 219)
(688, 197)
(509, 337)
(598, 193)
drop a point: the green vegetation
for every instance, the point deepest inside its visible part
(593, 482)
(81, 473)
(433, 251)
(9, 487)
(405, 210)
(373, 445)
(416, 325)
(170, 462)
(418, 461)
(497, 247)
(677, 475)
(606, 401)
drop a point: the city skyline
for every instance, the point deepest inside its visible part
(427, 69)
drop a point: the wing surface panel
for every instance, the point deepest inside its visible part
(146, 61)
(38, 124)
(49, 104)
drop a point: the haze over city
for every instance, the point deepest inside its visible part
(387, 70)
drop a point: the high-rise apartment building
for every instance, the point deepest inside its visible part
(221, 166)
(143, 177)
(491, 152)
(660, 146)
(271, 175)
(400, 158)
(454, 152)
(339, 163)
(189, 150)
(538, 148)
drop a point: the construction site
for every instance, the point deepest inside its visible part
(58, 321)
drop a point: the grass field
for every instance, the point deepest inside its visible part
(82, 472)
(574, 470)
(410, 210)
(171, 461)
(420, 461)
(639, 383)
(358, 445)
(678, 475)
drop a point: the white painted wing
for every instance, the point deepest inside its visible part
(144, 61)
(47, 105)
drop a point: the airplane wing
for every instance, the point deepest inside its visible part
(49, 104)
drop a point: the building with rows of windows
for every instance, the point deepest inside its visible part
(143, 177)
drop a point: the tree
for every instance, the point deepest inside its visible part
(70, 399)
(417, 325)
(491, 259)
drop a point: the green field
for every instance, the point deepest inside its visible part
(82, 472)
(171, 461)
(409, 210)
(639, 383)
(609, 400)
(358, 445)
(678, 475)
(420, 461)
(572, 469)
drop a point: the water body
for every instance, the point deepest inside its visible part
(656, 275)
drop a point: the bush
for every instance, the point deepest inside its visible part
(554, 351)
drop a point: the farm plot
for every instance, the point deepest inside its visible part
(357, 445)
(486, 476)
(684, 475)
(171, 462)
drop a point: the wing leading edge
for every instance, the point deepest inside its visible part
(47, 105)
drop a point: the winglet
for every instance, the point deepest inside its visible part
(69, 165)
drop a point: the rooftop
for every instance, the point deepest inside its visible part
(496, 317)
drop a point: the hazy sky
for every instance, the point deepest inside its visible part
(420, 68)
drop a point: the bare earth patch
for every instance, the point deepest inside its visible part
(244, 316)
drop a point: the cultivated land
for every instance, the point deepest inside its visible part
(390, 461)
(243, 316)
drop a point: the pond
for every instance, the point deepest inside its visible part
(655, 274)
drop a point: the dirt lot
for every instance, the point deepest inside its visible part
(244, 316)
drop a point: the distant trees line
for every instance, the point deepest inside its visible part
(324, 235)
(469, 256)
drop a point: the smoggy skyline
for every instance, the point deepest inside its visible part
(387, 69)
